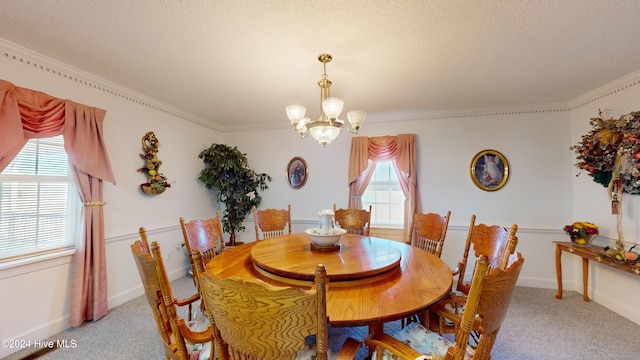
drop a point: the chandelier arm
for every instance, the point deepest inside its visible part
(350, 128)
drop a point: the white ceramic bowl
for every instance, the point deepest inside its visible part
(318, 239)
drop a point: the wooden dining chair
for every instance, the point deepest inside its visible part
(255, 320)
(355, 221)
(271, 222)
(179, 341)
(489, 297)
(143, 236)
(498, 245)
(428, 231)
(204, 236)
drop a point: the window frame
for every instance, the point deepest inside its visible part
(57, 222)
(375, 205)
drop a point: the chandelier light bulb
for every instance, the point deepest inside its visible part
(332, 107)
(324, 134)
(356, 118)
(295, 113)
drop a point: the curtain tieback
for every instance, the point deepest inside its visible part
(95, 203)
(356, 197)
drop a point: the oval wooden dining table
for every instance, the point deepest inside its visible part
(371, 280)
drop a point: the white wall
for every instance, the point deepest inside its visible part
(541, 195)
(609, 287)
(35, 296)
(537, 196)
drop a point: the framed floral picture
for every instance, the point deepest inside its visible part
(489, 170)
(297, 172)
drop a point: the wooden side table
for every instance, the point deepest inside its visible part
(592, 252)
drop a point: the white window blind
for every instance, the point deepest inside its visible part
(40, 209)
(385, 196)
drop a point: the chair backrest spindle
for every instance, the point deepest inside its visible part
(354, 221)
(495, 242)
(428, 231)
(271, 222)
(204, 236)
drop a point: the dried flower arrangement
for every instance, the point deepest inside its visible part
(610, 153)
(156, 182)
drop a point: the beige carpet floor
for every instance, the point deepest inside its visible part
(538, 326)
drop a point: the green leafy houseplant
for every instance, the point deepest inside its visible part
(226, 169)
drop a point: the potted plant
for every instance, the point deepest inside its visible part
(226, 169)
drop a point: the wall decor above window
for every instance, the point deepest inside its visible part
(489, 170)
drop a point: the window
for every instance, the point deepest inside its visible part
(385, 196)
(40, 209)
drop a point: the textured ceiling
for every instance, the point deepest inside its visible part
(238, 64)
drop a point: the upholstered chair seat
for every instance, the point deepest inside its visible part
(484, 311)
(427, 343)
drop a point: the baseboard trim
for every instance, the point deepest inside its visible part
(43, 331)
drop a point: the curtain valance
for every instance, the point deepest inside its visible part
(28, 114)
(401, 151)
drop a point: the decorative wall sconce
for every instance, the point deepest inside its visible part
(156, 182)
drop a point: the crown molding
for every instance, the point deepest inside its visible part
(614, 87)
(471, 113)
(396, 117)
(41, 62)
(602, 92)
(44, 63)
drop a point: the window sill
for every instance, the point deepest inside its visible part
(26, 265)
(387, 227)
(391, 233)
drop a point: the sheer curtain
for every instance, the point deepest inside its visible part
(27, 114)
(401, 150)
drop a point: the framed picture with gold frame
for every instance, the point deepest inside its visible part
(297, 172)
(489, 170)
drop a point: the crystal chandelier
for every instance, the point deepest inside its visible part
(328, 126)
